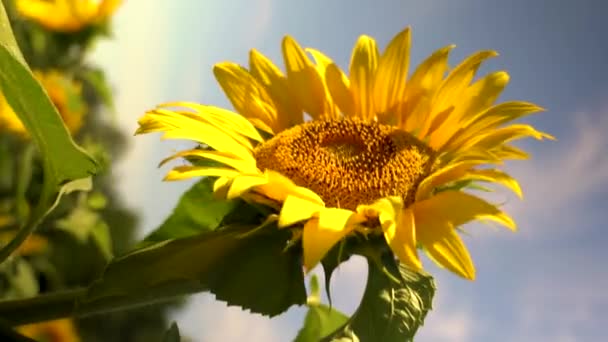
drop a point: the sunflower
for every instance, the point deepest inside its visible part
(376, 153)
(62, 330)
(67, 15)
(65, 93)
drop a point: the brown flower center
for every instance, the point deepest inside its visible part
(348, 162)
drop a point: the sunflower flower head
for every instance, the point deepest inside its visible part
(67, 15)
(385, 152)
(62, 330)
(64, 92)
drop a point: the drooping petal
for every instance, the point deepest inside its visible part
(244, 183)
(363, 64)
(276, 85)
(477, 98)
(179, 126)
(304, 81)
(296, 209)
(321, 234)
(490, 119)
(245, 166)
(496, 176)
(246, 95)
(391, 75)
(449, 173)
(458, 208)
(497, 137)
(422, 85)
(188, 171)
(339, 89)
(323, 62)
(443, 245)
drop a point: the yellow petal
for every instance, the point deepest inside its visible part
(304, 81)
(490, 119)
(339, 89)
(445, 175)
(451, 88)
(477, 98)
(221, 118)
(505, 152)
(184, 172)
(445, 248)
(497, 137)
(180, 126)
(246, 95)
(244, 183)
(363, 64)
(400, 233)
(323, 62)
(108, 7)
(268, 74)
(496, 176)
(457, 208)
(296, 209)
(279, 187)
(423, 84)
(391, 75)
(321, 234)
(245, 166)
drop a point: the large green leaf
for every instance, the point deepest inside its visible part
(251, 271)
(198, 211)
(391, 309)
(63, 161)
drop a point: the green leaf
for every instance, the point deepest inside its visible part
(196, 212)
(63, 161)
(251, 271)
(391, 311)
(172, 335)
(321, 320)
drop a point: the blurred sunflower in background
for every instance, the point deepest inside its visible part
(371, 152)
(64, 92)
(67, 15)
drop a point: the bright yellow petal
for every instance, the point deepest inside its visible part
(321, 234)
(391, 75)
(184, 172)
(490, 119)
(244, 166)
(477, 98)
(422, 85)
(323, 62)
(363, 64)
(246, 95)
(445, 248)
(268, 74)
(445, 175)
(496, 176)
(279, 187)
(304, 81)
(339, 88)
(296, 209)
(495, 138)
(457, 208)
(244, 183)
(108, 7)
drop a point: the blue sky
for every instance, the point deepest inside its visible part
(544, 283)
